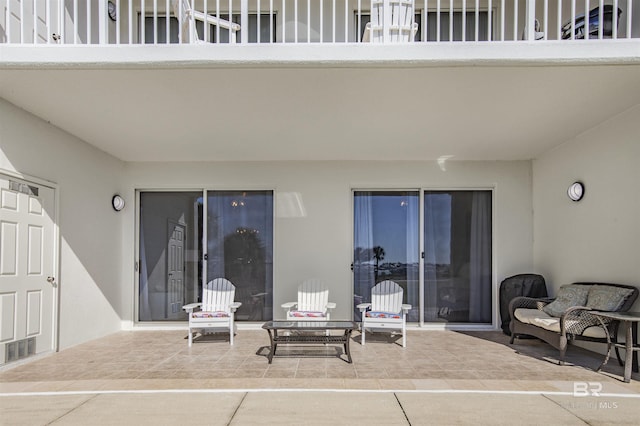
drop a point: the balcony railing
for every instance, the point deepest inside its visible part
(102, 22)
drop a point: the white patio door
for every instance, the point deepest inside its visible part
(27, 284)
(175, 270)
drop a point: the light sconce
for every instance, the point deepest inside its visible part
(576, 191)
(117, 202)
(112, 11)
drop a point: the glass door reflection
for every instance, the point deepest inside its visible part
(386, 245)
(240, 248)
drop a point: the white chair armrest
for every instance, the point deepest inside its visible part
(210, 19)
(289, 305)
(363, 306)
(406, 308)
(235, 305)
(191, 306)
(331, 305)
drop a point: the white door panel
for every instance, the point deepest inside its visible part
(175, 270)
(27, 233)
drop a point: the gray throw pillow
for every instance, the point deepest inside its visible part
(568, 296)
(607, 298)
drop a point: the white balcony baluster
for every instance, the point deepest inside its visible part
(530, 20)
(244, 21)
(629, 16)
(614, 18)
(502, 21)
(312, 21)
(464, 20)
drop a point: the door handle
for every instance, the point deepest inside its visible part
(51, 280)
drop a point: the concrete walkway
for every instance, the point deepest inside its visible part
(331, 407)
(442, 378)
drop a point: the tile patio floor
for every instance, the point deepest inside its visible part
(431, 360)
(442, 377)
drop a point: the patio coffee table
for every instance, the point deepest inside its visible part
(629, 320)
(301, 333)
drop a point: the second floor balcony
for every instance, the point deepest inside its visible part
(472, 82)
(421, 22)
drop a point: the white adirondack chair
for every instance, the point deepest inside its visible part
(188, 16)
(313, 302)
(386, 310)
(391, 22)
(217, 310)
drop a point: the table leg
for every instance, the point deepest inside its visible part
(273, 347)
(628, 356)
(635, 342)
(347, 334)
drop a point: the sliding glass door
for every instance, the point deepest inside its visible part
(240, 248)
(186, 239)
(456, 247)
(457, 252)
(170, 252)
(386, 244)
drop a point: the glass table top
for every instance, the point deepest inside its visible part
(622, 316)
(309, 325)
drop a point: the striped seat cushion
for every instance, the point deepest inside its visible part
(203, 314)
(374, 314)
(307, 314)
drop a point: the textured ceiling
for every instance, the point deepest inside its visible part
(324, 112)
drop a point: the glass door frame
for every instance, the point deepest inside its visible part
(204, 191)
(205, 233)
(420, 239)
(136, 262)
(421, 278)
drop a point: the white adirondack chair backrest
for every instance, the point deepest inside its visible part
(184, 12)
(313, 295)
(386, 296)
(217, 295)
(391, 21)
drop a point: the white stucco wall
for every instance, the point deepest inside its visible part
(97, 245)
(320, 244)
(597, 238)
(90, 266)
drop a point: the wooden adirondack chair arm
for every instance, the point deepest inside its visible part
(363, 306)
(289, 305)
(235, 305)
(213, 20)
(191, 306)
(406, 308)
(331, 305)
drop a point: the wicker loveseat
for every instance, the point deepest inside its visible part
(565, 318)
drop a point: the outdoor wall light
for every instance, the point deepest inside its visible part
(117, 202)
(112, 11)
(576, 191)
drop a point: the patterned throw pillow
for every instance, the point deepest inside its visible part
(307, 314)
(568, 296)
(371, 314)
(203, 314)
(607, 298)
